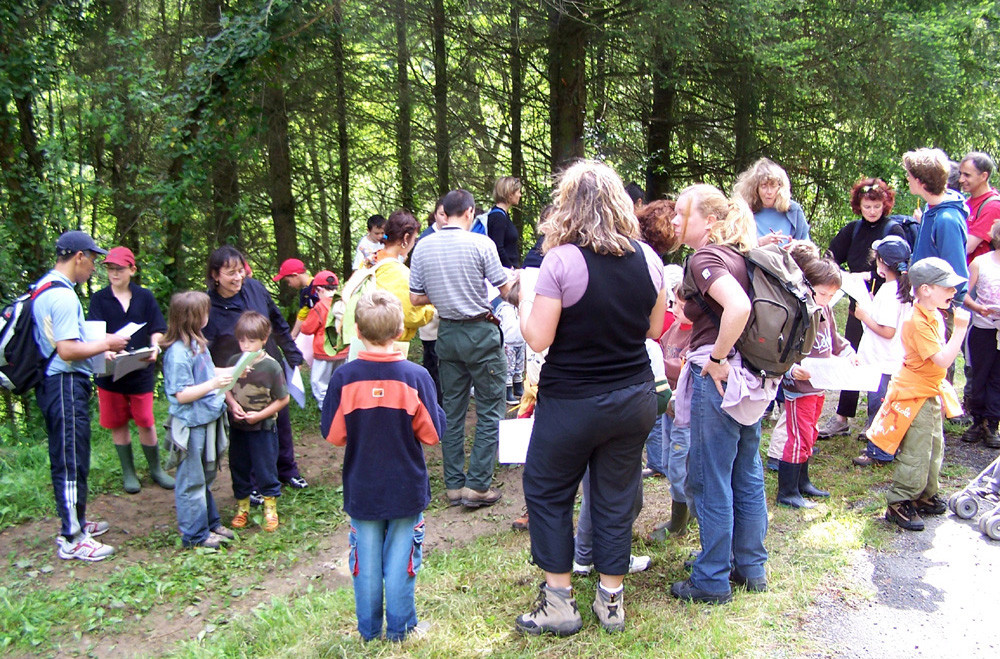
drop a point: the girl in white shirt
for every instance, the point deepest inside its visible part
(881, 343)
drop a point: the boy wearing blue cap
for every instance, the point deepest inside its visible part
(64, 393)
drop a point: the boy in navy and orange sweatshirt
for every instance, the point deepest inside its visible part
(382, 408)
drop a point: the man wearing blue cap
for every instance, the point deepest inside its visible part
(64, 393)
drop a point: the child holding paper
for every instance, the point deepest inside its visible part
(131, 396)
(803, 401)
(909, 421)
(257, 396)
(881, 344)
(197, 426)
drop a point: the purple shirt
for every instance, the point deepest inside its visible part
(563, 275)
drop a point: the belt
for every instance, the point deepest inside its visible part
(475, 319)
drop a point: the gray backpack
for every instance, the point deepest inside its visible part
(784, 317)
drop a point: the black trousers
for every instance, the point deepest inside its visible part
(853, 329)
(605, 432)
(982, 391)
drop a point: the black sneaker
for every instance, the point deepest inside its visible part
(256, 499)
(905, 515)
(933, 505)
(754, 585)
(297, 483)
(684, 590)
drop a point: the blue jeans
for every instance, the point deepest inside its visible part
(875, 399)
(726, 482)
(654, 447)
(676, 443)
(197, 513)
(386, 552)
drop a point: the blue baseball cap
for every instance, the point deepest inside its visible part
(72, 242)
(894, 252)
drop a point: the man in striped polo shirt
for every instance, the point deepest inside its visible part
(449, 269)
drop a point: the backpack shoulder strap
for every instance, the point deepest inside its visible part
(52, 283)
(995, 197)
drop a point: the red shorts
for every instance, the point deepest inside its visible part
(117, 409)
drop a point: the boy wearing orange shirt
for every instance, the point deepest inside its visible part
(910, 417)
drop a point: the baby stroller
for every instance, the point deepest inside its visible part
(981, 494)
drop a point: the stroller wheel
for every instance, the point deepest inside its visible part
(953, 502)
(990, 526)
(966, 507)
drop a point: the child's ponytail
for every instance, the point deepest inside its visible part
(904, 292)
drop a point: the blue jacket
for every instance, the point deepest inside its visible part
(226, 311)
(943, 234)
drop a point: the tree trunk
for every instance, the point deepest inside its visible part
(23, 202)
(567, 81)
(404, 139)
(744, 116)
(516, 94)
(344, 168)
(123, 142)
(226, 197)
(661, 128)
(441, 142)
(279, 179)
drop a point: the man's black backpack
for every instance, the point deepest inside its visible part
(781, 329)
(906, 223)
(22, 365)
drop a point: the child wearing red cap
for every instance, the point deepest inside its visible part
(324, 286)
(293, 272)
(131, 396)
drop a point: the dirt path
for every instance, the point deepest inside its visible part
(932, 594)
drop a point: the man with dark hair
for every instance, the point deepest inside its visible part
(942, 228)
(449, 269)
(975, 170)
(64, 393)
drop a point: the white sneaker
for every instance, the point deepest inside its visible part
(582, 569)
(84, 549)
(94, 529)
(638, 563)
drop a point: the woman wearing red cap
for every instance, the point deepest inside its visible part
(131, 396)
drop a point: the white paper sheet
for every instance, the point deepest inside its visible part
(241, 366)
(293, 380)
(128, 330)
(514, 437)
(839, 374)
(96, 330)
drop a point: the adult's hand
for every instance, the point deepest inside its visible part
(718, 372)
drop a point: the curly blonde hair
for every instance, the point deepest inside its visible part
(734, 225)
(592, 211)
(762, 171)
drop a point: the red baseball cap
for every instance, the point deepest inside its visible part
(120, 256)
(289, 267)
(325, 278)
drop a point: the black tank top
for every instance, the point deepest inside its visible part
(599, 341)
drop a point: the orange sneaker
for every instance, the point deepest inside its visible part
(270, 514)
(242, 514)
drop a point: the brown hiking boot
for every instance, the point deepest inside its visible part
(520, 523)
(554, 612)
(904, 515)
(609, 609)
(932, 505)
(476, 499)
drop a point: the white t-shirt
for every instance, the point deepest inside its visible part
(887, 310)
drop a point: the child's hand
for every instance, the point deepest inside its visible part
(222, 380)
(961, 319)
(799, 373)
(252, 417)
(237, 411)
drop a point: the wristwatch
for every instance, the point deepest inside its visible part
(716, 361)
